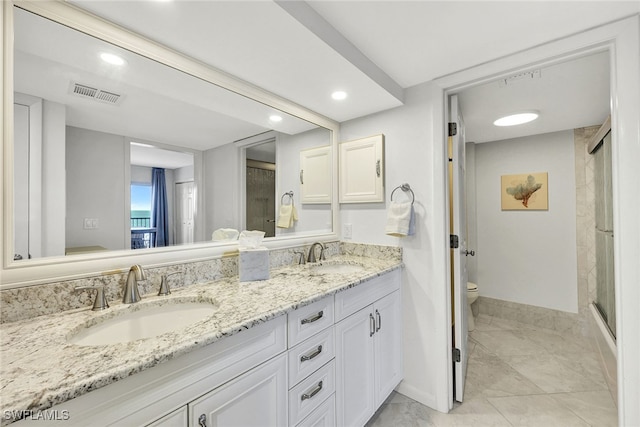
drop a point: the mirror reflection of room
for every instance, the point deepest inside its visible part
(77, 177)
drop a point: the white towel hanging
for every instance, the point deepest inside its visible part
(400, 219)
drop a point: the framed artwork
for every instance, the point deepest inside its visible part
(525, 192)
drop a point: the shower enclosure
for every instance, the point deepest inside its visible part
(604, 235)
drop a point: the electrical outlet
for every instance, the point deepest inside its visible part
(347, 231)
(90, 223)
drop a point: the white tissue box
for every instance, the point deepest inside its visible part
(253, 264)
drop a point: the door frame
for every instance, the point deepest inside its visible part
(622, 40)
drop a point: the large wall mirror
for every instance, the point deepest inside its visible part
(115, 151)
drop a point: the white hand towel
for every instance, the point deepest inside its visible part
(399, 219)
(286, 215)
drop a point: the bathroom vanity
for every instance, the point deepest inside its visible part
(317, 344)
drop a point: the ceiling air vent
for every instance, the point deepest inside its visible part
(95, 94)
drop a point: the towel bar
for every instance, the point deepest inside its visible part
(406, 188)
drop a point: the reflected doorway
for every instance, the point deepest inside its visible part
(261, 188)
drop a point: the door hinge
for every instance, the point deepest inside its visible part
(456, 355)
(453, 129)
(454, 241)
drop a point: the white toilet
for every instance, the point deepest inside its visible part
(472, 295)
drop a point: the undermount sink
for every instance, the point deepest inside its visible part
(336, 268)
(142, 321)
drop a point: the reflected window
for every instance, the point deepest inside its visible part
(140, 205)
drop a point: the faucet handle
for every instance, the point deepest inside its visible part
(100, 303)
(301, 260)
(164, 284)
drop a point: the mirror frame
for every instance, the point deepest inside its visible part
(53, 269)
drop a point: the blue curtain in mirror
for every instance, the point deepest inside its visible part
(159, 209)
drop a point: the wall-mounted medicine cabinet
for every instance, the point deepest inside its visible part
(315, 167)
(362, 170)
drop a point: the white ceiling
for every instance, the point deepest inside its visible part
(375, 49)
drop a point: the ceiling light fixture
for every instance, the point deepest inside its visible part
(112, 59)
(275, 118)
(339, 95)
(517, 119)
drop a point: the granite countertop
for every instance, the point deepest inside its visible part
(40, 369)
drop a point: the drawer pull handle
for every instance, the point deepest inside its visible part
(312, 318)
(378, 321)
(313, 354)
(313, 392)
(202, 420)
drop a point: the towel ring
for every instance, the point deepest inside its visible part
(288, 193)
(405, 188)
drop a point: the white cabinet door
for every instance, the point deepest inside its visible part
(355, 368)
(362, 170)
(368, 359)
(315, 175)
(257, 398)
(388, 346)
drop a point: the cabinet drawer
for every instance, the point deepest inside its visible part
(309, 320)
(323, 416)
(179, 417)
(309, 355)
(356, 298)
(311, 392)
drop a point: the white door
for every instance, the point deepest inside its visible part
(459, 228)
(21, 180)
(185, 205)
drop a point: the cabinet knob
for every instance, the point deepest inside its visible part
(202, 420)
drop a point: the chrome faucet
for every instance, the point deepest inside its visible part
(312, 252)
(131, 292)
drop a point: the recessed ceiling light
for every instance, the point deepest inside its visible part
(339, 95)
(517, 119)
(112, 59)
(275, 118)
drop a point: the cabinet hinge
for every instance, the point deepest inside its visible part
(453, 129)
(454, 241)
(456, 355)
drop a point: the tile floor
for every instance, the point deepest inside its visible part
(518, 375)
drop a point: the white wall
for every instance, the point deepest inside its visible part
(528, 257)
(221, 189)
(316, 217)
(95, 182)
(53, 178)
(412, 156)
